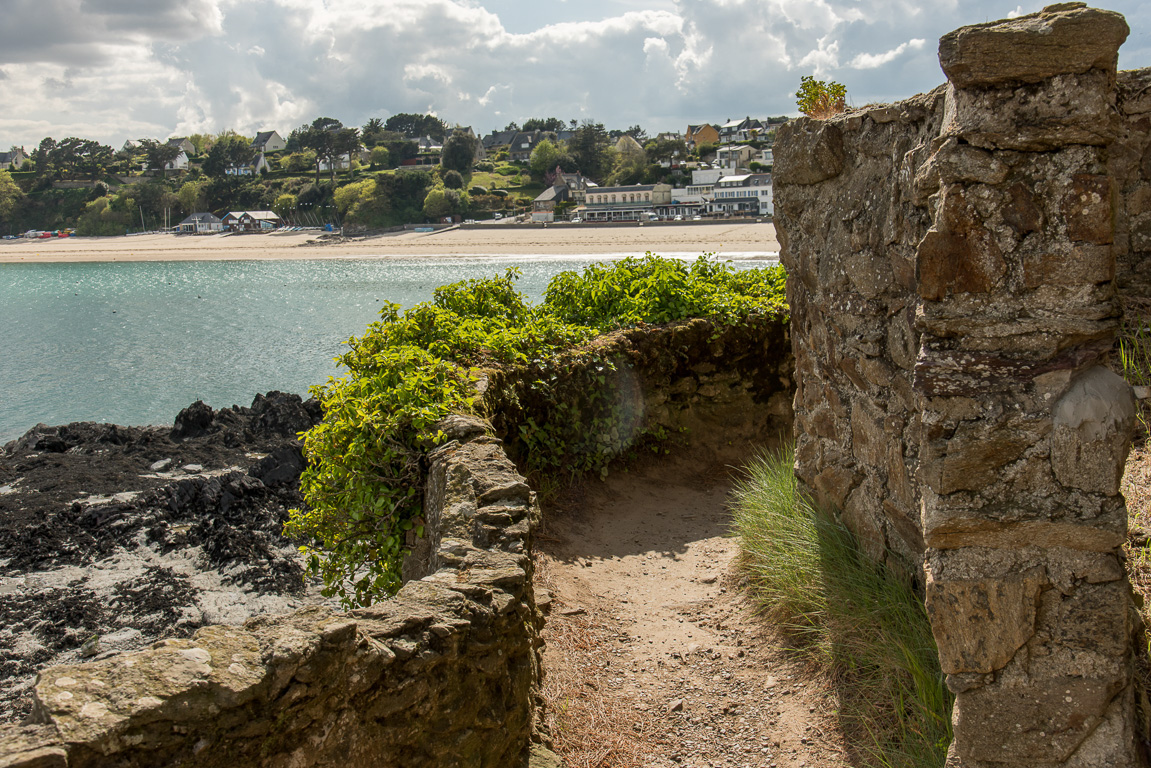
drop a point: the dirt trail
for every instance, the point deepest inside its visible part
(653, 658)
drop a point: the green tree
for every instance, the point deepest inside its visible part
(442, 202)
(459, 153)
(373, 132)
(381, 157)
(545, 157)
(553, 124)
(10, 196)
(589, 148)
(820, 99)
(157, 155)
(300, 161)
(637, 133)
(230, 151)
(414, 126)
(193, 196)
(284, 205)
(453, 180)
(665, 149)
(103, 216)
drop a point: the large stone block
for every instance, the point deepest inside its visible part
(980, 624)
(1087, 209)
(974, 455)
(1060, 39)
(1094, 422)
(815, 152)
(1069, 265)
(958, 254)
(1065, 110)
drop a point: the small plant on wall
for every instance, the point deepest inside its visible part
(820, 99)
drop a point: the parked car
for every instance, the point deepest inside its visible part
(576, 220)
(678, 217)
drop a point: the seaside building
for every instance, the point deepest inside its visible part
(199, 223)
(744, 195)
(252, 221)
(631, 203)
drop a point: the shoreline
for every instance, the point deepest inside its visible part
(754, 240)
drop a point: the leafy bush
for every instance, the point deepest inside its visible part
(508, 170)
(453, 180)
(478, 190)
(410, 369)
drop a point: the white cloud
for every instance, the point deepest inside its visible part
(876, 60)
(114, 69)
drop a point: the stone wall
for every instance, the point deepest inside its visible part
(443, 674)
(955, 298)
(446, 673)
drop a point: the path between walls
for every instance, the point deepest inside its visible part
(653, 658)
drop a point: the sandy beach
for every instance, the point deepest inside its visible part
(508, 239)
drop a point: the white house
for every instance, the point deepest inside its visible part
(180, 162)
(268, 141)
(747, 194)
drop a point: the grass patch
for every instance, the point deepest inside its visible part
(1134, 355)
(857, 622)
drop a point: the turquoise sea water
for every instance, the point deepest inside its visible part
(133, 343)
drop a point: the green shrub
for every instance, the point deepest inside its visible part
(410, 369)
(860, 622)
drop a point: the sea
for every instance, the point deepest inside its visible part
(134, 343)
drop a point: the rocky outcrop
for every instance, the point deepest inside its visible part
(444, 674)
(116, 537)
(954, 298)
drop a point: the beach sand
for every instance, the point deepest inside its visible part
(732, 239)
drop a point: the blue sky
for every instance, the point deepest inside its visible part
(118, 69)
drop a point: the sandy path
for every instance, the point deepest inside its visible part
(652, 657)
(509, 239)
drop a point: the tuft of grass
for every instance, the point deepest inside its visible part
(856, 621)
(1134, 348)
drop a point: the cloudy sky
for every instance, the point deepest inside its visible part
(117, 69)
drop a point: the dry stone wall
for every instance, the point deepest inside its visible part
(447, 672)
(955, 293)
(443, 674)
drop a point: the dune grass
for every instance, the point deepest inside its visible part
(855, 621)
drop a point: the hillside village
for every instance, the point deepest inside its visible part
(408, 169)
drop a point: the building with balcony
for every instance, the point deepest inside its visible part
(744, 195)
(631, 203)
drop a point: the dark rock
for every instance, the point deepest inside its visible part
(193, 421)
(281, 467)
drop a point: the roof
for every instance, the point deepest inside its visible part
(262, 138)
(632, 188)
(201, 218)
(548, 194)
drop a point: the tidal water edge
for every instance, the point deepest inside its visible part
(133, 343)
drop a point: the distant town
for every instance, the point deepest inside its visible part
(408, 169)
